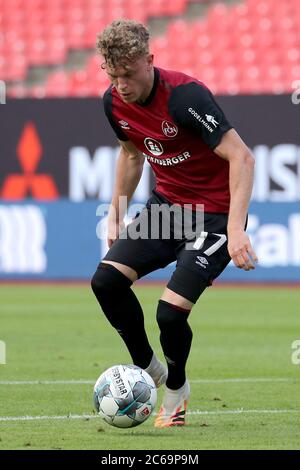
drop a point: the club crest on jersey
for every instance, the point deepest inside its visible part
(153, 146)
(169, 129)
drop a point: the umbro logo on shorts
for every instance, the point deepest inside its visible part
(202, 261)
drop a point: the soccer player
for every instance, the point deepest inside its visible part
(173, 121)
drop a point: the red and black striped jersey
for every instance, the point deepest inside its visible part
(177, 129)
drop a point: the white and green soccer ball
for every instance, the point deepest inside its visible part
(125, 396)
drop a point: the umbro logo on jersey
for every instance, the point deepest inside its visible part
(124, 124)
(153, 146)
(211, 119)
(201, 261)
(169, 129)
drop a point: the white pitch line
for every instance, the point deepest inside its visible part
(46, 382)
(196, 412)
(241, 411)
(245, 380)
(196, 381)
(45, 418)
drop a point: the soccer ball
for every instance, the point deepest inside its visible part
(125, 396)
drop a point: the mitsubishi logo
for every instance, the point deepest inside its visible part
(29, 183)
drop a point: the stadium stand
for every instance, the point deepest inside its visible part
(247, 47)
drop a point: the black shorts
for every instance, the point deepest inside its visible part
(200, 257)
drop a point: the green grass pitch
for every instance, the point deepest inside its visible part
(245, 388)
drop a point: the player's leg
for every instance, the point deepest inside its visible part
(196, 269)
(175, 334)
(176, 339)
(126, 270)
(122, 309)
(126, 261)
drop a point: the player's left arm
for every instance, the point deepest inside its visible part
(194, 107)
(241, 171)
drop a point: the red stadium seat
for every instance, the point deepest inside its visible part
(250, 47)
(37, 91)
(58, 84)
(17, 91)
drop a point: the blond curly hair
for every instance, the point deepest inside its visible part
(122, 41)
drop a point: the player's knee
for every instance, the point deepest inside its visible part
(170, 316)
(107, 280)
(99, 281)
(187, 284)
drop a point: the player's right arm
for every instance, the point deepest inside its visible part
(128, 174)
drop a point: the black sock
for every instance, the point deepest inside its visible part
(123, 310)
(176, 338)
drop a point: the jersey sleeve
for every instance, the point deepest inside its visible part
(193, 107)
(107, 103)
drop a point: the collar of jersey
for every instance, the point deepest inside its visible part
(153, 91)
